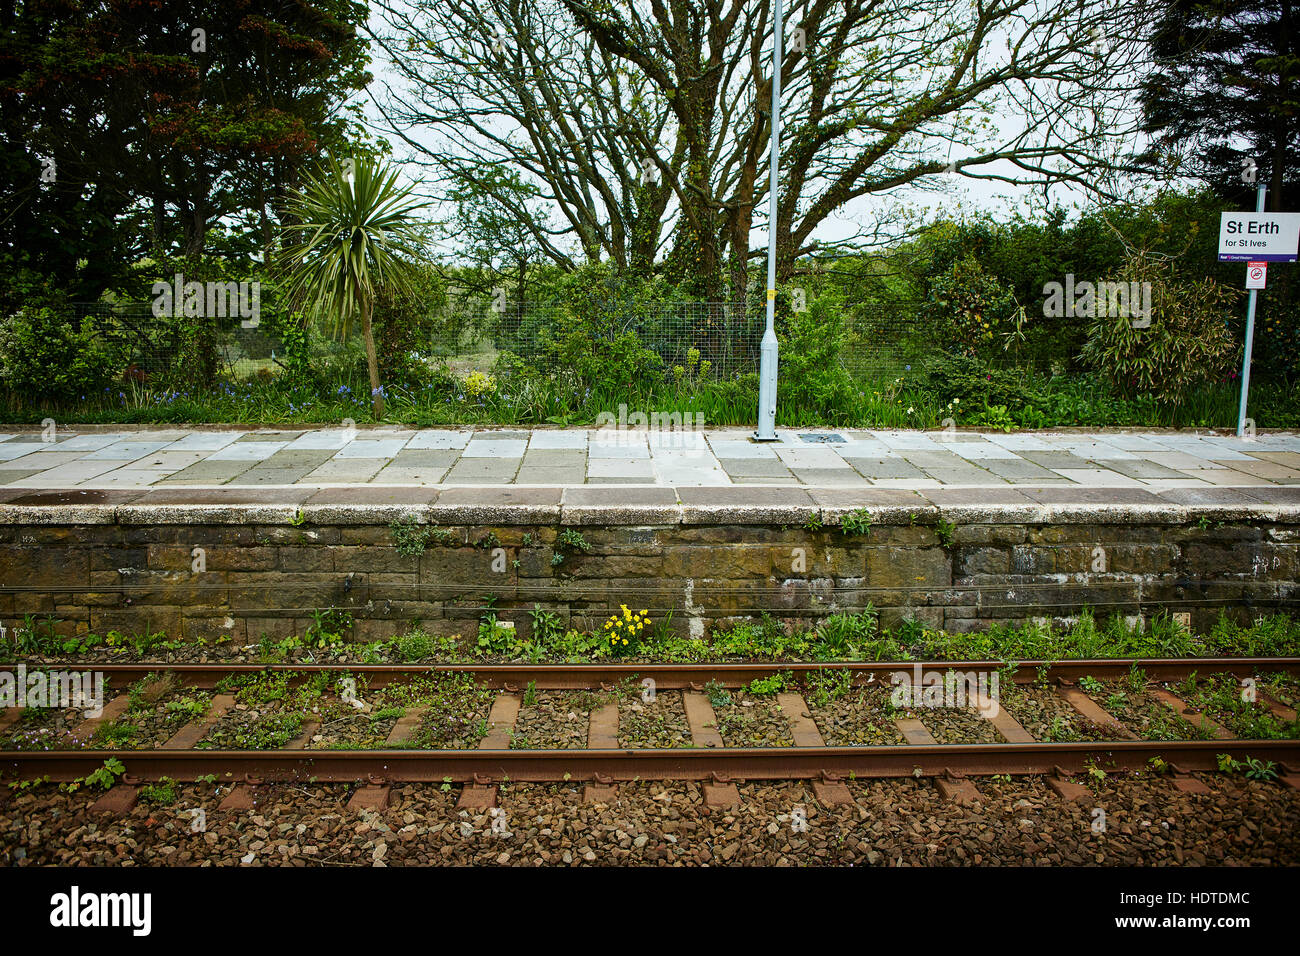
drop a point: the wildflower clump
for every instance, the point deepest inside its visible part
(623, 630)
(477, 384)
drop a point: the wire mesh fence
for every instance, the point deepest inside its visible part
(712, 340)
(723, 338)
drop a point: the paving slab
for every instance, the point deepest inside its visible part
(502, 448)
(414, 475)
(754, 467)
(558, 440)
(878, 468)
(482, 471)
(223, 496)
(439, 438)
(78, 496)
(371, 495)
(829, 476)
(1061, 495)
(1208, 496)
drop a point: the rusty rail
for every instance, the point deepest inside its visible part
(773, 763)
(680, 676)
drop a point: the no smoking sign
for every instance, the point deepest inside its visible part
(1256, 273)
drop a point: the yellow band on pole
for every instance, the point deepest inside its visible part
(771, 293)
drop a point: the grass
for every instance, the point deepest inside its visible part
(884, 398)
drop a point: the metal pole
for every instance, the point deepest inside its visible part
(1250, 334)
(767, 368)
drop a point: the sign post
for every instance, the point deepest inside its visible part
(1257, 239)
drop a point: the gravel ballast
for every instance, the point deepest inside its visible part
(892, 822)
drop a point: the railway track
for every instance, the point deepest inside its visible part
(1014, 750)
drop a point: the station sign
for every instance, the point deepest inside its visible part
(1259, 236)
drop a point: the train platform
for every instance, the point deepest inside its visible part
(1112, 464)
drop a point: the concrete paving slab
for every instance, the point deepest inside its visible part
(1063, 495)
(626, 446)
(1178, 460)
(1279, 474)
(1020, 471)
(324, 440)
(205, 441)
(272, 434)
(675, 475)
(1275, 496)
(811, 457)
(121, 451)
(211, 472)
(551, 476)
(1097, 477)
(17, 474)
(620, 468)
(365, 448)
(554, 458)
(504, 448)
(92, 442)
(341, 470)
(558, 440)
(426, 458)
(829, 476)
(982, 450)
(439, 438)
(754, 467)
(409, 475)
(225, 496)
(1226, 476)
(482, 471)
(976, 496)
(1137, 468)
(1055, 460)
(878, 468)
(1207, 496)
(45, 459)
(741, 450)
(367, 495)
(246, 451)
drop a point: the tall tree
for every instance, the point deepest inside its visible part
(358, 238)
(1226, 94)
(160, 119)
(590, 97)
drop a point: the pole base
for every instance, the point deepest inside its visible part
(757, 437)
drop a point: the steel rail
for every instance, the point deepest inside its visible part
(548, 766)
(682, 676)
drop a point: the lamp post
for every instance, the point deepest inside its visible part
(768, 361)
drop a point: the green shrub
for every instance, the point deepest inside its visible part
(45, 356)
(1186, 345)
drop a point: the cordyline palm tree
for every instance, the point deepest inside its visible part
(358, 236)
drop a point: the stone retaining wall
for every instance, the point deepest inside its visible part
(266, 567)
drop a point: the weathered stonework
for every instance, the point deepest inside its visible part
(266, 567)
